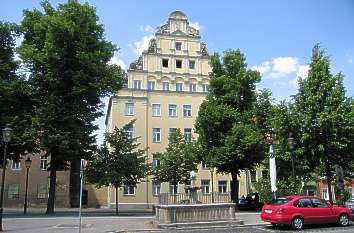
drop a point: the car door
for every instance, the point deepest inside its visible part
(303, 207)
(321, 211)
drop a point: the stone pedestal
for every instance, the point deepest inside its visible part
(223, 214)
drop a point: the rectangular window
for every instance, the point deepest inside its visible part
(205, 186)
(151, 85)
(156, 110)
(166, 86)
(192, 87)
(172, 110)
(187, 110)
(129, 109)
(253, 176)
(178, 45)
(170, 131)
(44, 162)
(16, 165)
(264, 173)
(128, 190)
(188, 134)
(205, 87)
(179, 64)
(155, 163)
(173, 189)
(222, 186)
(156, 188)
(179, 87)
(325, 194)
(42, 191)
(156, 135)
(13, 191)
(203, 164)
(137, 84)
(165, 63)
(129, 132)
(191, 64)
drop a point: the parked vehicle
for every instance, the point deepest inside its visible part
(350, 204)
(300, 210)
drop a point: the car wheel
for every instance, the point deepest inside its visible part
(343, 220)
(297, 223)
(274, 224)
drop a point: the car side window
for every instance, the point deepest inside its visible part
(303, 203)
(319, 203)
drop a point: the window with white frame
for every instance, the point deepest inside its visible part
(179, 87)
(156, 135)
(165, 86)
(203, 164)
(42, 191)
(191, 64)
(187, 110)
(155, 163)
(324, 193)
(129, 109)
(156, 110)
(44, 162)
(173, 189)
(222, 186)
(156, 188)
(205, 186)
(13, 191)
(130, 132)
(172, 110)
(192, 87)
(16, 164)
(188, 134)
(137, 84)
(253, 175)
(178, 45)
(151, 85)
(205, 87)
(128, 189)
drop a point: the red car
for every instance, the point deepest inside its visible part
(299, 210)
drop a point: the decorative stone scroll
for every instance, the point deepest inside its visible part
(152, 46)
(137, 64)
(204, 49)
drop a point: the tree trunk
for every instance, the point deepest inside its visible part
(51, 197)
(116, 187)
(234, 188)
(329, 181)
(74, 183)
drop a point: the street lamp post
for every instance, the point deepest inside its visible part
(28, 163)
(6, 137)
(291, 146)
(212, 184)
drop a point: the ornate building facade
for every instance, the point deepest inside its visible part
(165, 87)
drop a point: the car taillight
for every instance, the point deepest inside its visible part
(280, 210)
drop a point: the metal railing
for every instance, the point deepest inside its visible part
(201, 198)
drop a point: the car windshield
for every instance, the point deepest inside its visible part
(281, 200)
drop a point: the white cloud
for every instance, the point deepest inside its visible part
(303, 71)
(350, 61)
(294, 82)
(285, 65)
(146, 28)
(142, 44)
(115, 60)
(262, 68)
(196, 25)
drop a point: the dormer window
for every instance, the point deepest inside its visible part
(178, 45)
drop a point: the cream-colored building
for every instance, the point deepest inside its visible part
(165, 87)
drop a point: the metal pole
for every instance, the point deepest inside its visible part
(212, 184)
(2, 184)
(293, 170)
(26, 193)
(81, 182)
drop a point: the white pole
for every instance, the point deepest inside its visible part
(272, 170)
(81, 182)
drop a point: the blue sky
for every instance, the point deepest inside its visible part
(276, 36)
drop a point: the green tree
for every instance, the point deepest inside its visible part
(16, 101)
(119, 162)
(67, 53)
(176, 163)
(326, 119)
(231, 138)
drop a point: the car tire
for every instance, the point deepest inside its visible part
(297, 223)
(343, 220)
(274, 224)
